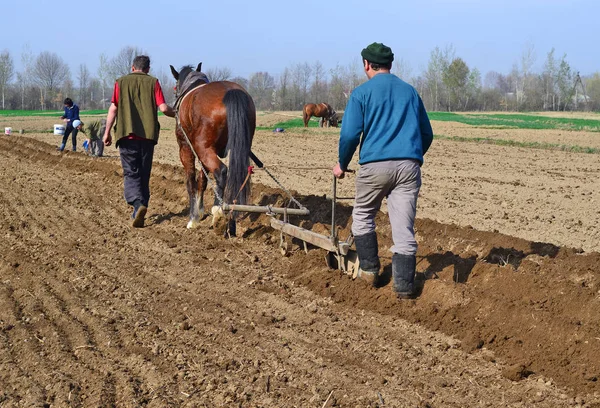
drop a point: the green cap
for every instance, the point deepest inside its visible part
(378, 54)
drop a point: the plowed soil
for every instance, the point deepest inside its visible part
(96, 313)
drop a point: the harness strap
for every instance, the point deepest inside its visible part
(180, 98)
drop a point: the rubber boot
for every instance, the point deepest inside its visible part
(403, 275)
(61, 147)
(367, 250)
(139, 214)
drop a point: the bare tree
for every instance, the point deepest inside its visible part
(282, 96)
(24, 77)
(103, 76)
(473, 89)
(528, 58)
(50, 72)
(66, 90)
(549, 78)
(318, 88)
(7, 70)
(355, 73)
(343, 81)
(261, 86)
(219, 74)
(592, 85)
(439, 61)
(167, 83)
(84, 82)
(243, 82)
(95, 92)
(401, 68)
(302, 74)
(121, 64)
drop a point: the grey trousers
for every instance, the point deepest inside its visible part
(96, 147)
(399, 181)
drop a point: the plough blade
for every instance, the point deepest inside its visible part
(346, 263)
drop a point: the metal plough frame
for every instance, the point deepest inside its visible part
(339, 255)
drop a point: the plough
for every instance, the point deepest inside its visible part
(339, 255)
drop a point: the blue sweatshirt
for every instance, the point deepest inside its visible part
(391, 118)
(72, 113)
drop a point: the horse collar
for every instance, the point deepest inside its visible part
(183, 95)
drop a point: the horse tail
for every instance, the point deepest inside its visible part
(239, 140)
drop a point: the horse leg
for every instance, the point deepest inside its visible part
(216, 167)
(221, 180)
(220, 176)
(187, 159)
(202, 183)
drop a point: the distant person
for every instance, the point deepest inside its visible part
(136, 99)
(386, 117)
(71, 115)
(93, 130)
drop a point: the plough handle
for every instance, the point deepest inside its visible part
(333, 200)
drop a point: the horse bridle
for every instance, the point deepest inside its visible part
(192, 81)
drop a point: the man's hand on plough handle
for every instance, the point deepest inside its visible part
(339, 173)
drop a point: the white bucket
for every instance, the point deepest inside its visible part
(7, 130)
(59, 130)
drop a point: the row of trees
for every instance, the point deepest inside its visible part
(447, 83)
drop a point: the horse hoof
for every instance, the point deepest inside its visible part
(192, 224)
(217, 212)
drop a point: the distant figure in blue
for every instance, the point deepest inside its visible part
(71, 115)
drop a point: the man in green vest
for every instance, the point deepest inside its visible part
(136, 100)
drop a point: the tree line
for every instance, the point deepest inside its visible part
(447, 83)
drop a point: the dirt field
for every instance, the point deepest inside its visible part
(95, 313)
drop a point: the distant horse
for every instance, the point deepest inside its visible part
(213, 119)
(321, 110)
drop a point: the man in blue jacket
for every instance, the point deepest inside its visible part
(386, 116)
(71, 115)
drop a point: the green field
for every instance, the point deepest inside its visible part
(292, 123)
(10, 113)
(499, 121)
(517, 121)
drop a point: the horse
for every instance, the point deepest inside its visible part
(214, 119)
(322, 110)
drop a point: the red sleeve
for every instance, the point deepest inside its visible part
(115, 96)
(158, 94)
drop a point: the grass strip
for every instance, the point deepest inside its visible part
(292, 123)
(530, 145)
(517, 121)
(11, 113)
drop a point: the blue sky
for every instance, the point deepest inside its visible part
(271, 35)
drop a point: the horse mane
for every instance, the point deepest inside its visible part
(184, 72)
(189, 79)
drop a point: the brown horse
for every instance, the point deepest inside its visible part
(322, 110)
(213, 119)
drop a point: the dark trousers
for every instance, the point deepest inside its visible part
(136, 159)
(69, 128)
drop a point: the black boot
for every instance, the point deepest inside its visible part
(367, 250)
(403, 275)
